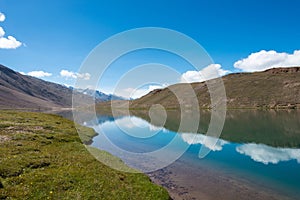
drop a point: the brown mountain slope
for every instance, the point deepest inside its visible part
(273, 88)
(20, 91)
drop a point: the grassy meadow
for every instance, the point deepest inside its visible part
(42, 157)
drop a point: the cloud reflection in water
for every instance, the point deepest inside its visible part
(266, 154)
(192, 138)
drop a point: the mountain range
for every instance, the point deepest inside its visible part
(19, 91)
(100, 96)
(273, 88)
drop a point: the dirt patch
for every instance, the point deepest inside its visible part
(23, 129)
(37, 128)
(4, 138)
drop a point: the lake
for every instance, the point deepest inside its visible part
(256, 157)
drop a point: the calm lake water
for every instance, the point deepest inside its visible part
(257, 148)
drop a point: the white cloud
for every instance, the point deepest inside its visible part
(213, 144)
(38, 74)
(209, 72)
(266, 154)
(2, 17)
(68, 74)
(263, 60)
(138, 92)
(74, 75)
(2, 32)
(85, 76)
(8, 43)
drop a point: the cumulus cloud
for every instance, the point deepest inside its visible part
(8, 42)
(209, 72)
(68, 74)
(209, 142)
(2, 32)
(266, 154)
(2, 17)
(38, 74)
(133, 93)
(74, 75)
(263, 60)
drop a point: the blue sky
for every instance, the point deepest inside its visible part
(58, 35)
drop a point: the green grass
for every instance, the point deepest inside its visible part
(42, 157)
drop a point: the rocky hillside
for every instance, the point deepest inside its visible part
(273, 88)
(26, 92)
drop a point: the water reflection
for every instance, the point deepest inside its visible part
(274, 128)
(252, 147)
(140, 150)
(192, 138)
(266, 154)
(139, 134)
(137, 127)
(139, 144)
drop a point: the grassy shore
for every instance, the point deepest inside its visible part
(42, 157)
